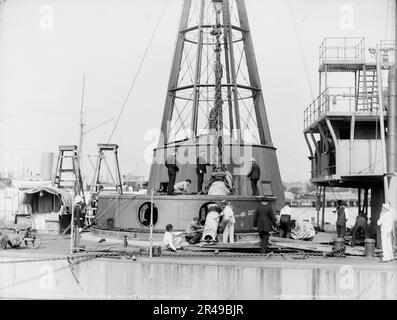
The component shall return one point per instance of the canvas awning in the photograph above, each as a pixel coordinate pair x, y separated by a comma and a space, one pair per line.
47, 199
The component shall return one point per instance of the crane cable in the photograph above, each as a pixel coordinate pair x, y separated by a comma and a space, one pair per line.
138, 71
299, 39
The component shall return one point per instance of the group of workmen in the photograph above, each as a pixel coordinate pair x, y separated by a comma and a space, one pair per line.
218, 218
183, 187
385, 222
221, 218
265, 221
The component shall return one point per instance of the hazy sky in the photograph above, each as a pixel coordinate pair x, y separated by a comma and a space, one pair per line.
41, 71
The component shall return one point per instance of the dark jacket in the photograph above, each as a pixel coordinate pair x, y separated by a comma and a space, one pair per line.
79, 216
171, 165
201, 165
264, 218
341, 216
255, 172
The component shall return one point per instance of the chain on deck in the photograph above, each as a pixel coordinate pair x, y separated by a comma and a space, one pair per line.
79, 258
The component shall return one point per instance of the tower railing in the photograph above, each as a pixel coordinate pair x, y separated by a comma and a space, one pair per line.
335, 99
316, 109
346, 48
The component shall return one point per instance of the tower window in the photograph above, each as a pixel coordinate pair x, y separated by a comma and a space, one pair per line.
267, 188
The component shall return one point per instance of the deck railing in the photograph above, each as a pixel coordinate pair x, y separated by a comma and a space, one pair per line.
317, 108
338, 99
346, 48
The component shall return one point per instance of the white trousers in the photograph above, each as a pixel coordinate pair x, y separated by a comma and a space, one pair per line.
176, 243
228, 233
387, 246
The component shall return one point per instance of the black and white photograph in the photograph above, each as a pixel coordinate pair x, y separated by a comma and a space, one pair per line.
198, 154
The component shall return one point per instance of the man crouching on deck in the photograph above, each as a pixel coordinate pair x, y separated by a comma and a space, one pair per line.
172, 240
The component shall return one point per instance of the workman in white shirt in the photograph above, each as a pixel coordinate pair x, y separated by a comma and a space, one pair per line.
183, 186
228, 221
172, 240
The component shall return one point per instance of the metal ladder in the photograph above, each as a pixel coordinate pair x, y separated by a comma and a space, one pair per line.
368, 95
75, 181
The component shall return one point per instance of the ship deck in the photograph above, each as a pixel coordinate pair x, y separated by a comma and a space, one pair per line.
57, 246
50, 273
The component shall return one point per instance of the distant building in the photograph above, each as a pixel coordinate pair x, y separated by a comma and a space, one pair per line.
296, 187
289, 196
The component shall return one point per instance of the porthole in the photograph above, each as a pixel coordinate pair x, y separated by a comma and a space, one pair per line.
144, 214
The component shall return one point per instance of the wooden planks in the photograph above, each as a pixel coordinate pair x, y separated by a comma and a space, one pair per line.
313, 247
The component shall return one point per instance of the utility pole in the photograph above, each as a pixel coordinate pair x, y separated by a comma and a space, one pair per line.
151, 225
382, 123
392, 131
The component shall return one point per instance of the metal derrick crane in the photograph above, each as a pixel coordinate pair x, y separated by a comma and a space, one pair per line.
214, 102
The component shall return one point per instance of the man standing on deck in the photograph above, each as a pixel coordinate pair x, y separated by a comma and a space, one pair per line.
254, 175
78, 213
201, 170
386, 221
340, 219
228, 221
172, 167
78, 217
264, 220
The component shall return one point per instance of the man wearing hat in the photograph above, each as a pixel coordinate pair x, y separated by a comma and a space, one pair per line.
340, 219
264, 222
254, 175
78, 212
78, 215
